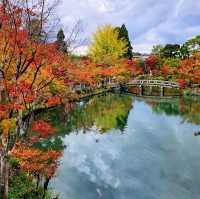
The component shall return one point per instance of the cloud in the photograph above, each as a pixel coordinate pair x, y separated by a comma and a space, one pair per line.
81, 50
149, 22
142, 48
178, 7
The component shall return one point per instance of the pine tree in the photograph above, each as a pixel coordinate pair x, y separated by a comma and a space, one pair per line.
62, 46
123, 34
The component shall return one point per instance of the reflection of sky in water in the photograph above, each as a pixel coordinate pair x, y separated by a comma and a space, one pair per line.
157, 157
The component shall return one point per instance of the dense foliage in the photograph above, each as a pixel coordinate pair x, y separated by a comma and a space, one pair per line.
36, 74
106, 47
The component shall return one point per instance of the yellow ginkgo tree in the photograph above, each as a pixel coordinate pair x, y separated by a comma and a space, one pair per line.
106, 47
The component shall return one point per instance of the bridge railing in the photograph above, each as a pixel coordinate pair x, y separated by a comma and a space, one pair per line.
113, 85
155, 82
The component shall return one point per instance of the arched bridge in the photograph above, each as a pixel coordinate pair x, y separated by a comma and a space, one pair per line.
135, 82
159, 83
150, 83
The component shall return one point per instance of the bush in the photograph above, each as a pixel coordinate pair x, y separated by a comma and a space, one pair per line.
22, 187
187, 93
172, 62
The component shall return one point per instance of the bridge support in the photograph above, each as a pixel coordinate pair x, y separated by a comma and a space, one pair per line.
150, 90
141, 90
162, 91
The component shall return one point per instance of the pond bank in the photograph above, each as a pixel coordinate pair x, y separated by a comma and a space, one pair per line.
185, 92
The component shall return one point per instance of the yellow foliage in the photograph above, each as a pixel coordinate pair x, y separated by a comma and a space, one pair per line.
106, 47
8, 125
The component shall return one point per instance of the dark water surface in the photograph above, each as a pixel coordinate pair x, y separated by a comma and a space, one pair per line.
122, 147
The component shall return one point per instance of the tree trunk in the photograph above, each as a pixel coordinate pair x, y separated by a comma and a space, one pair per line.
38, 181
7, 144
1, 178
4, 178
46, 183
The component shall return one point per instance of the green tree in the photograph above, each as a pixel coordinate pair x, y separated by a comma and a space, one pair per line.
123, 34
184, 51
171, 50
157, 49
172, 62
194, 43
62, 46
106, 47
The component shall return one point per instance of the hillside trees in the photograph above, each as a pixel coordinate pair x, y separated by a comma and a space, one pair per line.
184, 51
157, 50
194, 43
171, 50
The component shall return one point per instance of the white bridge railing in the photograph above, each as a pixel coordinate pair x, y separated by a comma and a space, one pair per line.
159, 83
155, 83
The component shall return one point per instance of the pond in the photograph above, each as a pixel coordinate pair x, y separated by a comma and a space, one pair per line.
123, 147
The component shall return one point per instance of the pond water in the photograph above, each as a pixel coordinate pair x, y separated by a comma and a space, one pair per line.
123, 147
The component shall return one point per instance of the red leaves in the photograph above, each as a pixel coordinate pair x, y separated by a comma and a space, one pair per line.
15, 106
34, 139
53, 101
3, 111
43, 128
34, 161
190, 69
132, 67
166, 70
22, 37
22, 91
151, 62
131, 63
5, 108
182, 82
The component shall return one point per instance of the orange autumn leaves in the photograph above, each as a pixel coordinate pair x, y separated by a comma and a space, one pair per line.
90, 73
187, 72
35, 161
42, 128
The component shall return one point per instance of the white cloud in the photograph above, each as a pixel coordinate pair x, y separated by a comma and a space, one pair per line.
81, 50
142, 48
178, 7
148, 21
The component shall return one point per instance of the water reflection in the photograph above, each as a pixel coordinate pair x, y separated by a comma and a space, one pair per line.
156, 156
111, 112
105, 113
188, 109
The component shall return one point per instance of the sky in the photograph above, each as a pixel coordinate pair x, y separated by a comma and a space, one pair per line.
149, 22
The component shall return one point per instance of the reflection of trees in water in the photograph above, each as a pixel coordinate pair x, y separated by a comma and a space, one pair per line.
111, 112
188, 109
104, 112
166, 107
121, 122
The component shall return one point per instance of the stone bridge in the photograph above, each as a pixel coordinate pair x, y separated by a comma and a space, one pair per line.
139, 83
151, 83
